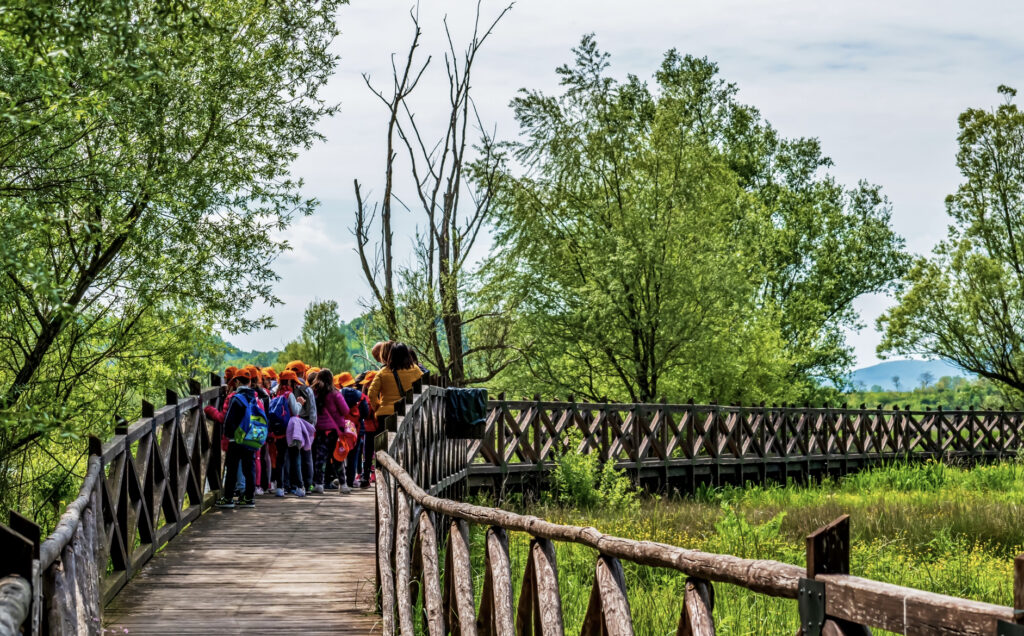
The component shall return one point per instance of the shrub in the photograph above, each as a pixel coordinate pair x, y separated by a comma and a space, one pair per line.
582, 481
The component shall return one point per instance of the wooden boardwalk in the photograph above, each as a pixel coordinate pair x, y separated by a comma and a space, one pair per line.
289, 566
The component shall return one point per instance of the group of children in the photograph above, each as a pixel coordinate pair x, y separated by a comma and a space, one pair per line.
306, 430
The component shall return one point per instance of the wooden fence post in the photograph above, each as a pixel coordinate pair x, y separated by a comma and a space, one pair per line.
608, 612
828, 552
698, 603
1018, 589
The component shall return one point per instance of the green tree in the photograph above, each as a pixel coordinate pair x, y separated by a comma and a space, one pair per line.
146, 148
965, 303
668, 241
322, 342
926, 379
294, 350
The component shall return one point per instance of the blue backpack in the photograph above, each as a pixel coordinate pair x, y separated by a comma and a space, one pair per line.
252, 431
280, 411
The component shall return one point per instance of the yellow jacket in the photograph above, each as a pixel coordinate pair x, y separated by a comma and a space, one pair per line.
384, 390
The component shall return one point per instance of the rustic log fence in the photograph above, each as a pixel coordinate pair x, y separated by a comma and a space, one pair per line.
141, 488
422, 472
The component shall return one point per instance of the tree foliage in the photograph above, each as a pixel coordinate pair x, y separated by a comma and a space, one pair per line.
145, 154
668, 241
965, 303
323, 337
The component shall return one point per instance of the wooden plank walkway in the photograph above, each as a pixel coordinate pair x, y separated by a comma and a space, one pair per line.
289, 566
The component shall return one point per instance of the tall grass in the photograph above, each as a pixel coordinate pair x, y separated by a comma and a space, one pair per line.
933, 527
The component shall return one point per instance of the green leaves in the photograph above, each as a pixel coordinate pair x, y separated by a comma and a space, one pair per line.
966, 302
144, 156
667, 241
323, 337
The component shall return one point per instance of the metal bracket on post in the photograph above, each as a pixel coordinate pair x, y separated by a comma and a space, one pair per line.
811, 601
1004, 628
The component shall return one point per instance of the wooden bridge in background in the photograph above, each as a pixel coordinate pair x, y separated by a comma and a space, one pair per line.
681, 445
142, 549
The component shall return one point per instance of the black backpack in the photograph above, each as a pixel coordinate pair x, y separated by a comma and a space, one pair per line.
465, 413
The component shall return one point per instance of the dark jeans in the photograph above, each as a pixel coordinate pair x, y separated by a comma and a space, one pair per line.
265, 469
368, 440
352, 462
238, 454
291, 469
306, 466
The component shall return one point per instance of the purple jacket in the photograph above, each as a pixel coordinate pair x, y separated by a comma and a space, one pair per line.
331, 414
299, 433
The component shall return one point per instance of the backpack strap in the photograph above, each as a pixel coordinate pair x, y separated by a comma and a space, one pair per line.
398, 381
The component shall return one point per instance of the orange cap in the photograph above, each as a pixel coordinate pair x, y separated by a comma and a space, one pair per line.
244, 373
230, 372
345, 379
268, 372
298, 366
370, 375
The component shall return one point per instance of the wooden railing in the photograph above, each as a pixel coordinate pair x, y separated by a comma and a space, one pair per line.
141, 488
687, 442
420, 475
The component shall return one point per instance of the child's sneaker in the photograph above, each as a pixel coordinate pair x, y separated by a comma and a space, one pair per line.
332, 486
365, 483
224, 502
345, 489
279, 492
356, 482
373, 478
318, 489
299, 492
260, 491
245, 502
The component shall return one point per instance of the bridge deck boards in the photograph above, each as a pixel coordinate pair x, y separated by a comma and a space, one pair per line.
289, 566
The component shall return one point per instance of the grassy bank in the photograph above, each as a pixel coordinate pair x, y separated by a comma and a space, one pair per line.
931, 527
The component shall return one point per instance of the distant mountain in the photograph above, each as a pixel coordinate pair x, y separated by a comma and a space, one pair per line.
908, 371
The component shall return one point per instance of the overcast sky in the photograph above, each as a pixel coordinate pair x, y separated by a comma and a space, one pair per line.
880, 83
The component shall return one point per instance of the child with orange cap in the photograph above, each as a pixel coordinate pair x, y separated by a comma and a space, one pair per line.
359, 410
289, 453
308, 413
239, 456
370, 428
262, 466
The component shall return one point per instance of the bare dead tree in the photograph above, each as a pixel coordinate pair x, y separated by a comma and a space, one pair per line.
381, 262
456, 181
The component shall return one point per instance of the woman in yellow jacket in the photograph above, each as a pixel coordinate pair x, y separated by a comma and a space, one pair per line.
384, 389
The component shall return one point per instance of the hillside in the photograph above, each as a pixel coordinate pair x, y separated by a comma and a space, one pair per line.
909, 373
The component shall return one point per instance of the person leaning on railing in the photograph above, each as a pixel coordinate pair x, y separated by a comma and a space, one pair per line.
393, 380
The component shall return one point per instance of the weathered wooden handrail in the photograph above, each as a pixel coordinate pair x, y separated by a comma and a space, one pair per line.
141, 488
765, 576
62, 535
413, 512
